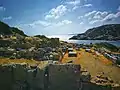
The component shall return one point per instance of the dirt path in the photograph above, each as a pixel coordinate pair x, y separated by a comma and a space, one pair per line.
95, 65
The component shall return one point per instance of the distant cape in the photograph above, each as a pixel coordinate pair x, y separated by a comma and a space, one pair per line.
104, 32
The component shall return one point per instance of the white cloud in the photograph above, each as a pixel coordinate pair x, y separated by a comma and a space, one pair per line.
94, 15
49, 16
117, 14
61, 23
81, 23
56, 12
61, 10
109, 17
90, 13
2, 8
82, 6
48, 24
94, 21
75, 7
105, 17
44, 23
112, 16
7, 18
39, 22
67, 21
59, 28
100, 15
87, 5
80, 17
64, 22
75, 2
97, 17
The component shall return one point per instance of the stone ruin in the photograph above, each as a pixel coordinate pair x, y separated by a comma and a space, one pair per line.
21, 77
64, 77
51, 77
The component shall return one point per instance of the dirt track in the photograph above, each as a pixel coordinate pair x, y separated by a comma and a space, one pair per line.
95, 65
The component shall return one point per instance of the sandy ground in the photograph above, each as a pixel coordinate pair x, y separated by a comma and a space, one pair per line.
95, 65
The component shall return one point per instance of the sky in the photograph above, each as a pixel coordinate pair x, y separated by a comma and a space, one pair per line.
53, 17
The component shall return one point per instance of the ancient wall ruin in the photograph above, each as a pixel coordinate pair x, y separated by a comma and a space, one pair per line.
64, 77
51, 77
21, 77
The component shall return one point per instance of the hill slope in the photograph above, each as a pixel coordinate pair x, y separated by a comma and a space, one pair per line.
7, 30
14, 44
105, 32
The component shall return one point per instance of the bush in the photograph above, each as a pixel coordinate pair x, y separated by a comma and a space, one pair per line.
12, 57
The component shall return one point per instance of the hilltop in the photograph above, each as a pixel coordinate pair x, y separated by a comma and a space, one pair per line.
104, 32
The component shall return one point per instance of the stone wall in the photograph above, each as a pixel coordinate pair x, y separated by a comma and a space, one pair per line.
64, 77
21, 77
50, 77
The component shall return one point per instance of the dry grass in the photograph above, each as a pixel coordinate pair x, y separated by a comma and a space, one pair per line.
40, 64
9, 61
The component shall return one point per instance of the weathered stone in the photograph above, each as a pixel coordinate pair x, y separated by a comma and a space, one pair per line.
64, 77
6, 79
50, 77
85, 76
21, 77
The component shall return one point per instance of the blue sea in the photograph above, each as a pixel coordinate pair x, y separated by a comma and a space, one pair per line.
66, 38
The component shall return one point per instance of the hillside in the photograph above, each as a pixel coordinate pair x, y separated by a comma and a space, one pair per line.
105, 32
7, 30
14, 44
